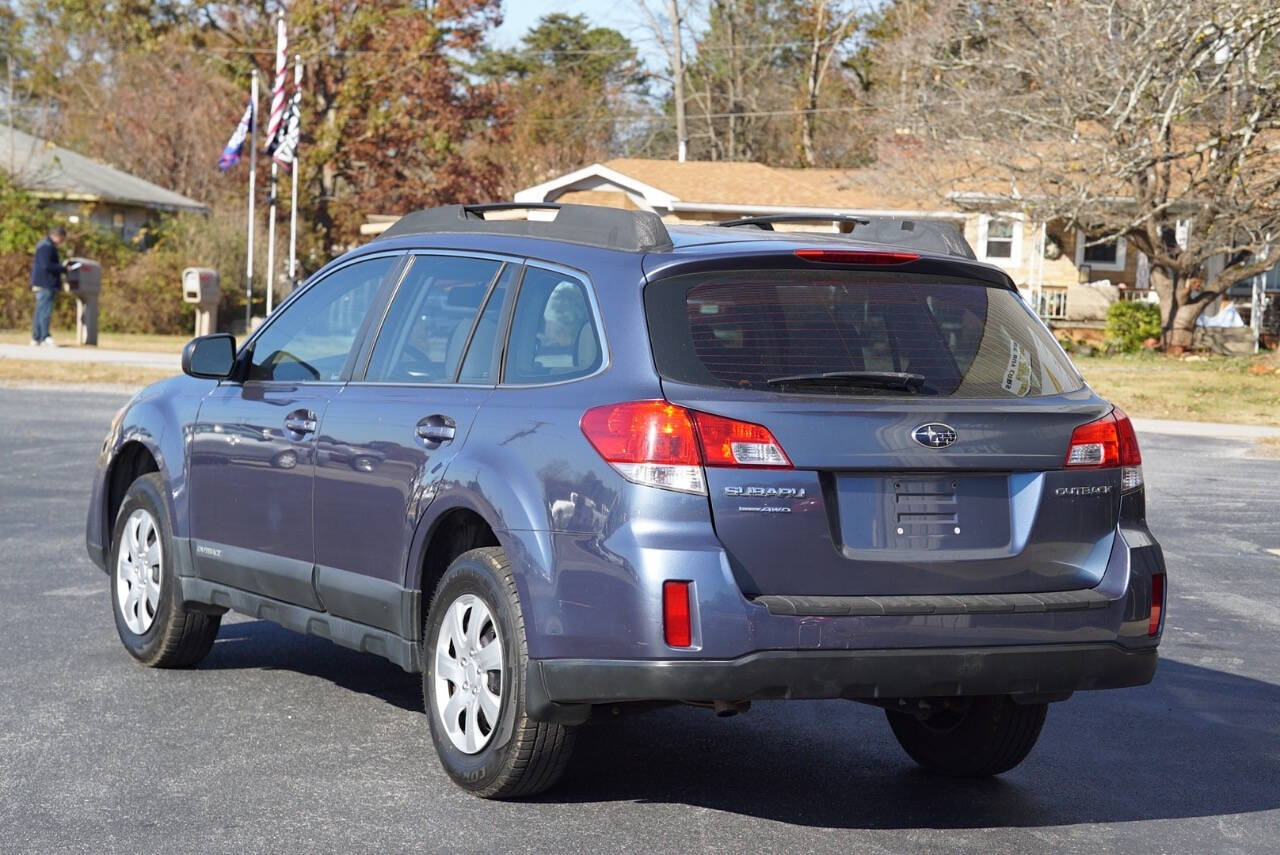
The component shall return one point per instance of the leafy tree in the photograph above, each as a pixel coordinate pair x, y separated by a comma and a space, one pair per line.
563, 89
391, 121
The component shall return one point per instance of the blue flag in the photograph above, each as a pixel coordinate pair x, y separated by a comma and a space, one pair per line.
231, 153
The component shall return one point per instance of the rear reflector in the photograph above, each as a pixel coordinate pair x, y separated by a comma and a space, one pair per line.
1157, 604
656, 443
1109, 441
727, 442
677, 625
852, 256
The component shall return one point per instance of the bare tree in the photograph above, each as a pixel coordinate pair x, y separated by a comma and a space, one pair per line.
1146, 120
828, 24
667, 31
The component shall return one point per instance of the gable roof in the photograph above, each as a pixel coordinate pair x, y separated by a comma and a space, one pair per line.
742, 187
49, 171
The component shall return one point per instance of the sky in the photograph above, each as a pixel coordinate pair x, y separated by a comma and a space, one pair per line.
622, 15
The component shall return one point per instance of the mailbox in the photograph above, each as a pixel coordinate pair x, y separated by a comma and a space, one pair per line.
202, 287
84, 280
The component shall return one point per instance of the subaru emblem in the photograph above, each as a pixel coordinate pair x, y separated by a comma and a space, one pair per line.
934, 435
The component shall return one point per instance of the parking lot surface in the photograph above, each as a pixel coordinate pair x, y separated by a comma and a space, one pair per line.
281, 742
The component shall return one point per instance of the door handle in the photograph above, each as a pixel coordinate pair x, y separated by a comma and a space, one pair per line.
439, 429
301, 422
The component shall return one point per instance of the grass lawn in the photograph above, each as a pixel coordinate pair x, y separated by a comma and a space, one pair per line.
148, 342
1240, 390
1234, 389
24, 371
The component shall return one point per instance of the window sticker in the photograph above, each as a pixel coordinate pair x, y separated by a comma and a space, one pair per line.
1017, 376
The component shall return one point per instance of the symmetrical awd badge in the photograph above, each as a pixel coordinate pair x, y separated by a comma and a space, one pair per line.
934, 435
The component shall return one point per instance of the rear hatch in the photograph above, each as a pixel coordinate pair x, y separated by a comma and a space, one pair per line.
924, 422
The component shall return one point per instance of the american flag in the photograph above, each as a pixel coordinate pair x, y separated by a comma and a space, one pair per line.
277, 91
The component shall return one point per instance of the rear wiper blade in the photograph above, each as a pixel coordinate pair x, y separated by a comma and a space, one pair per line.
901, 380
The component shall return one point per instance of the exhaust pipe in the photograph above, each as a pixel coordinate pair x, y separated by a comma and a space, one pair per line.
725, 709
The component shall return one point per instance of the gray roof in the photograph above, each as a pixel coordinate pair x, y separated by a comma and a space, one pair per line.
51, 171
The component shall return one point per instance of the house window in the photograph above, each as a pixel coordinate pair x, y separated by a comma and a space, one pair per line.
999, 238
1102, 256
117, 223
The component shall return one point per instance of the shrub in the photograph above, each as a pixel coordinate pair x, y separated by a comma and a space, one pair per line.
1130, 324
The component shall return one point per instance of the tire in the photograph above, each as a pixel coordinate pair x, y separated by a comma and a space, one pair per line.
986, 736
163, 633
513, 756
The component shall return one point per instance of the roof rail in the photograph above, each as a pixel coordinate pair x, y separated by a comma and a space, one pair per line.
589, 225
944, 238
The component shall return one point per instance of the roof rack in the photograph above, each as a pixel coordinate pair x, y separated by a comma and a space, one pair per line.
927, 235
589, 225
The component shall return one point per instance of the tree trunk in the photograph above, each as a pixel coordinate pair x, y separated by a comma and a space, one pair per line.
1183, 328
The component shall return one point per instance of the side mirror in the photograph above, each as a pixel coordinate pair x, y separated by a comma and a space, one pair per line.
211, 357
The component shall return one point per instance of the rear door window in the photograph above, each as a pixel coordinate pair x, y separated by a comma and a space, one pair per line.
553, 331
873, 333
430, 319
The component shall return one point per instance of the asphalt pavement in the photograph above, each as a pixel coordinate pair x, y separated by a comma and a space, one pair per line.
284, 743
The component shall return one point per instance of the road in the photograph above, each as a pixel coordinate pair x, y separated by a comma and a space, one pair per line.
280, 742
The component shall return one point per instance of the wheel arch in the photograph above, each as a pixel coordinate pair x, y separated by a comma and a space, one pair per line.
133, 459
459, 521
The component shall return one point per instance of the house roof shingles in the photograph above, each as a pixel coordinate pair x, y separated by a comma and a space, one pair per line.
51, 171
750, 183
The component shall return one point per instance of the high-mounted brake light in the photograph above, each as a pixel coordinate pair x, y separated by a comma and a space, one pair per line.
855, 256
1110, 441
663, 445
1157, 604
677, 620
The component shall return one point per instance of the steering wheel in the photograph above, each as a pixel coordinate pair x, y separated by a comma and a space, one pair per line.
417, 362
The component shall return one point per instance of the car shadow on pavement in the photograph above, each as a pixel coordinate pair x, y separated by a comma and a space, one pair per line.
1197, 742
264, 645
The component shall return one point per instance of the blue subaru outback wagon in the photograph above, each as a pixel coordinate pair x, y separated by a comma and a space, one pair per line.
579, 459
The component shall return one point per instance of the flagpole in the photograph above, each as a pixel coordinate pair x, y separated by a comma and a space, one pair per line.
293, 203
253, 172
277, 107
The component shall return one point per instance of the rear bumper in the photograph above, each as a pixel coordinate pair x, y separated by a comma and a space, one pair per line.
853, 674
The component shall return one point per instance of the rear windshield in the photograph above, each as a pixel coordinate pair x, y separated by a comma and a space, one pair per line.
853, 333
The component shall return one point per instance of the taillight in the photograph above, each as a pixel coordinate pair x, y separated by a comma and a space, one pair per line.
648, 442
855, 256
677, 623
1157, 604
728, 442
1110, 441
656, 443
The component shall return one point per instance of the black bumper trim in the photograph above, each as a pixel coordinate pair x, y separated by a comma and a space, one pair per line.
958, 604
928, 672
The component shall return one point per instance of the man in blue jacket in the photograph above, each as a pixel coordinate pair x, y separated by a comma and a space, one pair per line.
46, 279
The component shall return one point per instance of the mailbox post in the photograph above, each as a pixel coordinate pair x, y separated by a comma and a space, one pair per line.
201, 286
84, 280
